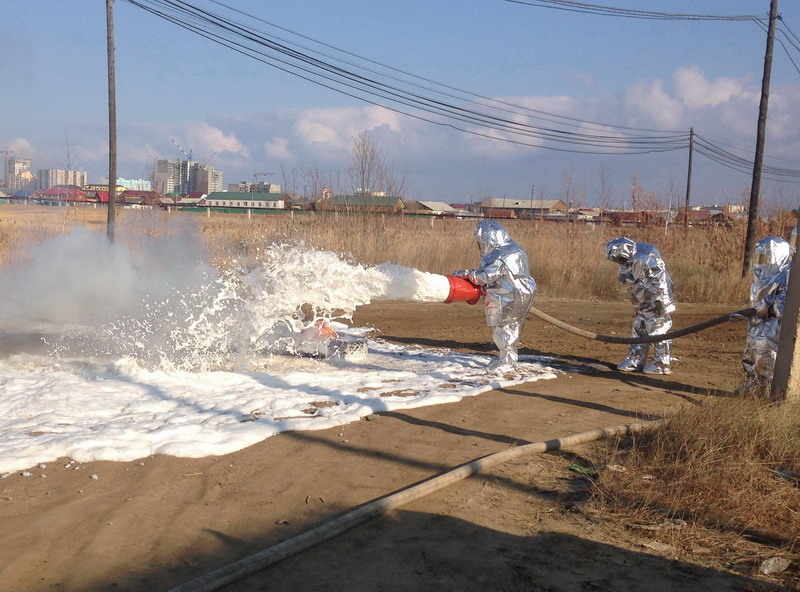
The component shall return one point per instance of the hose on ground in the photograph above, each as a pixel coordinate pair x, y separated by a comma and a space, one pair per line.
249, 565
744, 313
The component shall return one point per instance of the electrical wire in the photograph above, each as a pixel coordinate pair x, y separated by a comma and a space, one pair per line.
461, 110
598, 9
564, 120
509, 123
716, 153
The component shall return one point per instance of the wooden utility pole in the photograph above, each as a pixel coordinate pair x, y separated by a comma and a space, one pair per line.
755, 185
112, 124
786, 374
688, 181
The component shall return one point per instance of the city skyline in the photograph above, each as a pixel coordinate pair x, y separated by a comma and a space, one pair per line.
178, 92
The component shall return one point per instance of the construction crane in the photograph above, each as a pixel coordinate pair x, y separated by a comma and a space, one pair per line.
209, 159
256, 175
188, 156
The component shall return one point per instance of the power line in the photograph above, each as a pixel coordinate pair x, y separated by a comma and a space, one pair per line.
516, 108
455, 108
598, 9
515, 124
713, 151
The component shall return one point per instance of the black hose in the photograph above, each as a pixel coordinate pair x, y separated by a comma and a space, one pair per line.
747, 312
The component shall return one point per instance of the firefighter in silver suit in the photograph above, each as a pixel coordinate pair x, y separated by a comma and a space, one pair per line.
642, 266
508, 288
772, 259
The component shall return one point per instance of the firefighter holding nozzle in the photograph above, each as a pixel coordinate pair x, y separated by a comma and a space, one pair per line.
504, 276
642, 267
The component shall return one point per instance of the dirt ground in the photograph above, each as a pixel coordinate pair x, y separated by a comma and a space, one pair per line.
160, 522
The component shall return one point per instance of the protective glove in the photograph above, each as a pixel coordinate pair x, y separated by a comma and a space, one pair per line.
762, 309
625, 276
659, 307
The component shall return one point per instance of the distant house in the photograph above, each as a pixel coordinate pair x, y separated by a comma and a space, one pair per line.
25, 194
64, 193
630, 218
246, 200
499, 213
296, 203
588, 215
191, 200
138, 197
496, 207
706, 217
364, 204
431, 208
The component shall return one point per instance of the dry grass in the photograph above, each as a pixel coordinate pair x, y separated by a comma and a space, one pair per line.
727, 466
566, 260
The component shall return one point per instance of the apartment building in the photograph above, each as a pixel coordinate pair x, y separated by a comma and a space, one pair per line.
186, 176
18, 174
47, 178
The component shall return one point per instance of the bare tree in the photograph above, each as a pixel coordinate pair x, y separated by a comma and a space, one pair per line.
636, 191
371, 171
289, 180
603, 187
583, 192
670, 197
313, 182
568, 178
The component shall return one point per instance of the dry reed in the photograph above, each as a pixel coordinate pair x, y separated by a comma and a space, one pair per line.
566, 259
730, 465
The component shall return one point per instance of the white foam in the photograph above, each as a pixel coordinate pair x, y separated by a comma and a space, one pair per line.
185, 371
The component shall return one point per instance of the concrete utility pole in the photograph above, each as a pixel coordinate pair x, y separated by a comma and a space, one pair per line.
112, 124
755, 185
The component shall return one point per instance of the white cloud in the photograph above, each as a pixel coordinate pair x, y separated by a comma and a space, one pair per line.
336, 127
487, 144
205, 139
695, 91
313, 129
20, 146
647, 103
278, 148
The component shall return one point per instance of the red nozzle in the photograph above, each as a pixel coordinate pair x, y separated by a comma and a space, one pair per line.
461, 289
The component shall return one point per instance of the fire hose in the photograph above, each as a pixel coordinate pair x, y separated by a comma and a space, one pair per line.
461, 289
744, 313
327, 530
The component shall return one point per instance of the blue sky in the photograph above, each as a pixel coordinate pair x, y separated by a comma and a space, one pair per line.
244, 116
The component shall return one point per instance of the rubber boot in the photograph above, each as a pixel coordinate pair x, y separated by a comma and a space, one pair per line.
657, 367
630, 364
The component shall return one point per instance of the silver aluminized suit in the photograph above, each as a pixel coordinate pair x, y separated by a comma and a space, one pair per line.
504, 275
643, 267
771, 263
